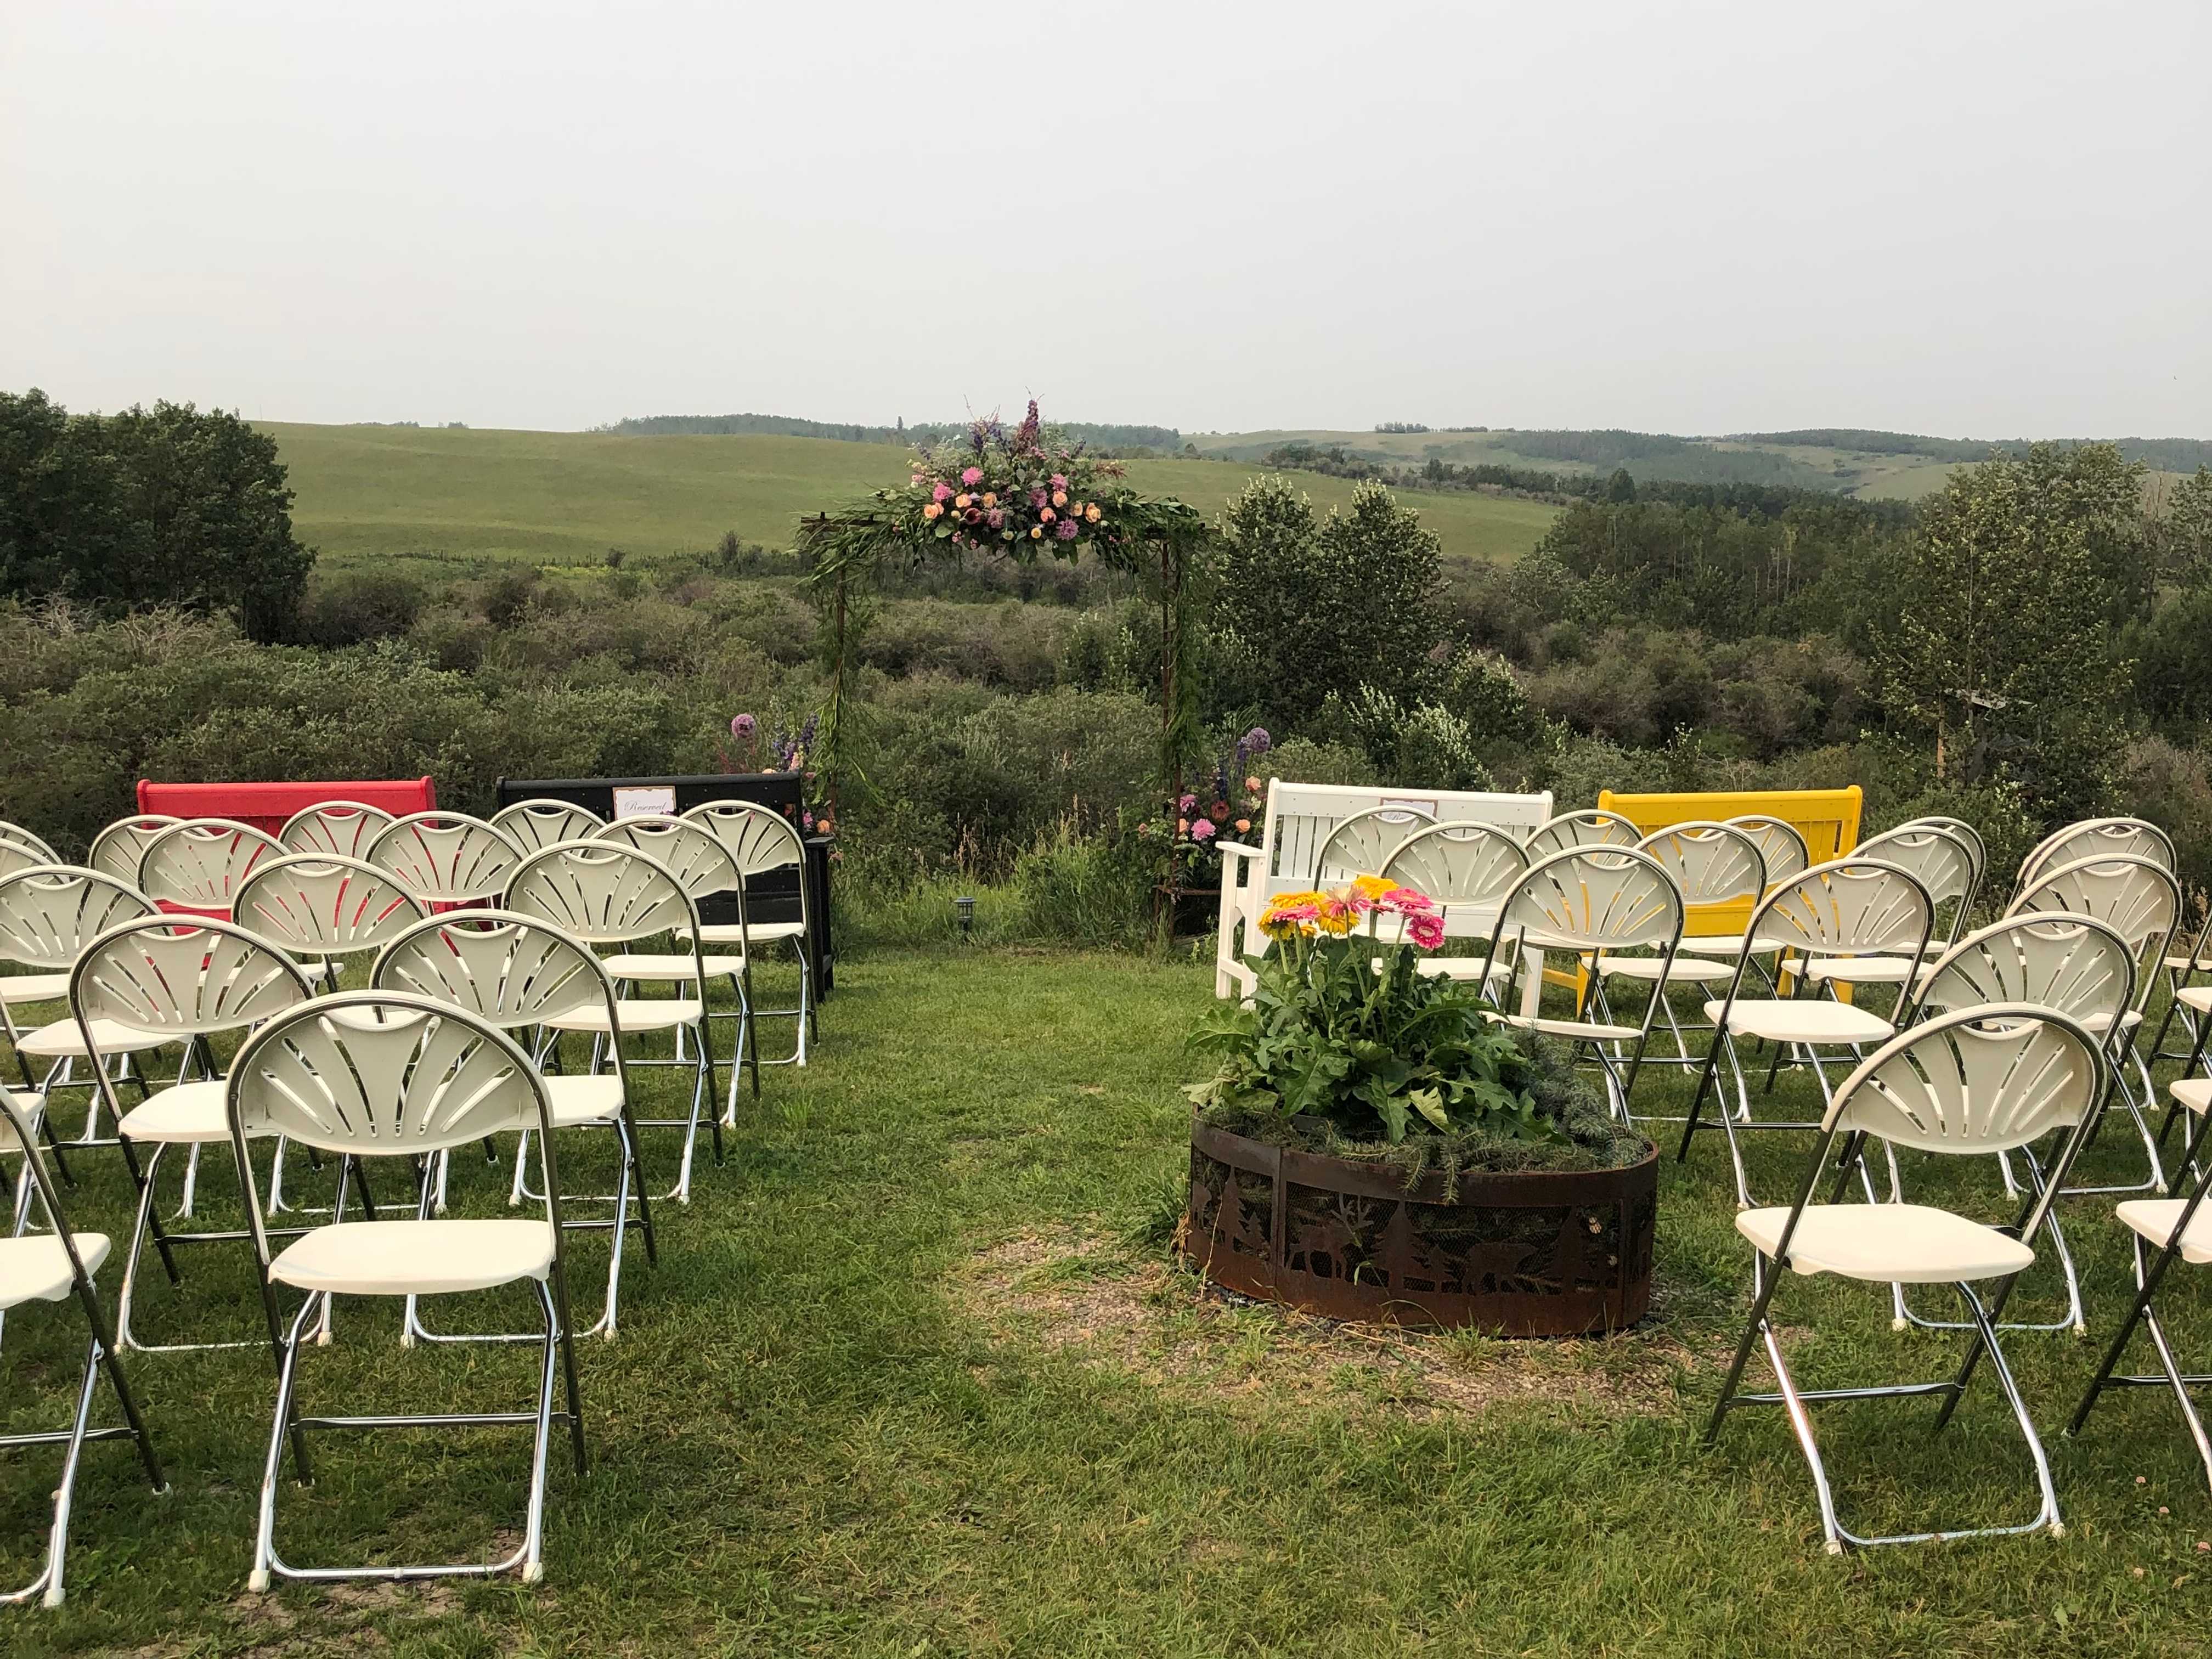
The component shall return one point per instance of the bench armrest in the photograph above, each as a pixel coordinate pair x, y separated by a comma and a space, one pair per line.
1238, 847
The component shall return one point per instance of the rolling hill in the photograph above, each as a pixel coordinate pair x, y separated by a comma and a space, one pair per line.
566, 497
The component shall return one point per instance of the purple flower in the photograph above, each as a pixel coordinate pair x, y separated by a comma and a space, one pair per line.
997, 516
742, 728
1257, 741
1065, 529
1203, 830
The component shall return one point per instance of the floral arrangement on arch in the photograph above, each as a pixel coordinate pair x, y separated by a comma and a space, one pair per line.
1183, 837
782, 750
1020, 491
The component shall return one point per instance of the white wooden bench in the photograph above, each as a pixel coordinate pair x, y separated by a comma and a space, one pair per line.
1300, 817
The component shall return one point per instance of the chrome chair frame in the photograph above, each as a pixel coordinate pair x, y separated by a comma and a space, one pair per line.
761, 841
1930, 1105
366, 1073
1467, 868
1813, 913
511, 970
49, 1586
602, 893
1710, 863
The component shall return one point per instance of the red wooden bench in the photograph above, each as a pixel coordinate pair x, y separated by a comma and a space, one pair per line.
267, 805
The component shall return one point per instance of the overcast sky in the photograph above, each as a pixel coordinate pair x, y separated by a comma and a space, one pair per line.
1971, 219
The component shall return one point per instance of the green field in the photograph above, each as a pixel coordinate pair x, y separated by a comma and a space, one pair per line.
566, 497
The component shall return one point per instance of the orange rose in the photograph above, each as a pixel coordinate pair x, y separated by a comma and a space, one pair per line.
1035, 531
990, 499
1252, 785
960, 501
1244, 826
1060, 498
1091, 513
1045, 515
934, 510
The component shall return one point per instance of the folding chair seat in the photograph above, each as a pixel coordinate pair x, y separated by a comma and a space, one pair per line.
518, 974
1978, 1080
1847, 907
611, 896
177, 979
382, 1073
54, 1267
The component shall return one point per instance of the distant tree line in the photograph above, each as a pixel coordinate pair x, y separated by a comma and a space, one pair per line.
167, 506
2165, 454
1097, 434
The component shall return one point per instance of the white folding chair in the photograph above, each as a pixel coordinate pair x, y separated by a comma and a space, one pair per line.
532, 825
1782, 850
762, 842
2140, 900
21, 837
1942, 864
1591, 901
48, 914
1847, 907
2179, 1230
2096, 839
176, 979
515, 972
343, 828
1360, 842
197, 864
1709, 863
1971, 838
2075, 964
1976, 1081
445, 858
55, 1265
610, 896
1591, 826
381, 1074
703, 866
1468, 869
120, 848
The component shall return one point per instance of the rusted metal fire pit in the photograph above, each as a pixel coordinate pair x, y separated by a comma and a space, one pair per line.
1534, 1252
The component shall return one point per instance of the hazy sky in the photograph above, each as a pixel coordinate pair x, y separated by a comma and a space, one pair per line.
1973, 219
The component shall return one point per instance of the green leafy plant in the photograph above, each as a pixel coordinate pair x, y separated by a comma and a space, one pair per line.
1345, 1028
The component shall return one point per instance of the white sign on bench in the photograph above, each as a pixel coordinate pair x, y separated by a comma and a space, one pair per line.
1288, 859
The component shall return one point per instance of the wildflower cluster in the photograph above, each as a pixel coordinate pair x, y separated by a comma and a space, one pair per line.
1015, 491
785, 750
1182, 837
1339, 910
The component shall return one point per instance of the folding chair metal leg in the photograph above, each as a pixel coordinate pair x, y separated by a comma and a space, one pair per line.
2075, 1318
268, 1565
2156, 1181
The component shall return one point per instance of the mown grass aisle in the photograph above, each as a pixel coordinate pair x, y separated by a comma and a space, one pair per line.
914, 1377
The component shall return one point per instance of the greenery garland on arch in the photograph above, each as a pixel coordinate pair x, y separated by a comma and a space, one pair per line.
1022, 493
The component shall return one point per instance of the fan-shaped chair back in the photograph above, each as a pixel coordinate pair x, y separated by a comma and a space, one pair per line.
505, 968
530, 824
199, 863
19, 836
320, 904
691, 852
1457, 864
445, 858
120, 848
2137, 897
22, 855
2075, 964
1711, 863
1592, 826
1977, 849
50, 912
1781, 845
1360, 842
1593, 899
2097, 838
1847, 907
183, 975
381, 1072
602, 893
1983, 1079
345, 827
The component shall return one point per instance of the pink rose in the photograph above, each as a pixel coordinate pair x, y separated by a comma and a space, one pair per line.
1190, 803
942, 493
1058, 482
974, 475
1203, 830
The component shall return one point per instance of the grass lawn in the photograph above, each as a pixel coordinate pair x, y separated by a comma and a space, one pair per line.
916, 1377
566, 497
